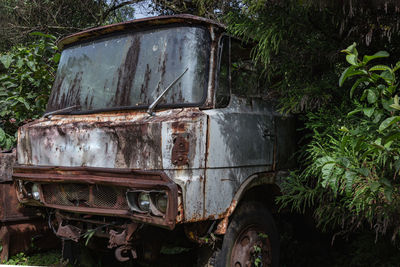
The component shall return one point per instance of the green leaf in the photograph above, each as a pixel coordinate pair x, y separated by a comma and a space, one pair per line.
378, 114
6, 60
350, 71
388, 103
363, 171
368, 111
387, 76
327, 171
43, 35
351, 49
31, 65
389, 121
56, 57
23, 101
371, 97
392, 137
350, 176
357, 110
379, 54
395, 106
374, 186
356, 84
380, 67
352, 59
2, 134
388, 144
396, 67
388, 193
397, 165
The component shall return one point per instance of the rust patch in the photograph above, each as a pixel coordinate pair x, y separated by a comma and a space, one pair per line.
7, 161
118, 239
126, 74
223, 225
180, 149
128, 178
69, 232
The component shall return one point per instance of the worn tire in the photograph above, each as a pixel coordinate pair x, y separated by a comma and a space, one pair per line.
70, 251
77, 254
248, 216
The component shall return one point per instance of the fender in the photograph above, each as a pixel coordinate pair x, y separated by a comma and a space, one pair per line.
265, 178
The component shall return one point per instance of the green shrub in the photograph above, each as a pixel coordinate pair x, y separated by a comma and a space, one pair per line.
353, 161
26, 76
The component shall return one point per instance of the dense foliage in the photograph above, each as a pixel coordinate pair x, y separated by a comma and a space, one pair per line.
350, 157
353, 159
30, 58
351, 147
18, 18
26, 76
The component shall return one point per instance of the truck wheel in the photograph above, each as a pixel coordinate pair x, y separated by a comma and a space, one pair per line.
77, 254
70, 251
251, 238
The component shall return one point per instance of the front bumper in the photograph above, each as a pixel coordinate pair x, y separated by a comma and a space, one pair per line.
96, 191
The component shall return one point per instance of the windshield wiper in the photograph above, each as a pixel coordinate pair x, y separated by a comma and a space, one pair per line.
59, 111
158, 99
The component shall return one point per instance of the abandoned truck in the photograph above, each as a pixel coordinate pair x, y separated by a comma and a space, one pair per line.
155, 131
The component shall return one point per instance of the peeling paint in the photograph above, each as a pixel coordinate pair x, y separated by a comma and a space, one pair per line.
202, 158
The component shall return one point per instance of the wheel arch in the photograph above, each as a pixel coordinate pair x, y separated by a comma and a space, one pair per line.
259, 187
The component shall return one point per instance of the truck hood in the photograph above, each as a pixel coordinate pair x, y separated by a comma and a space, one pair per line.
114, 140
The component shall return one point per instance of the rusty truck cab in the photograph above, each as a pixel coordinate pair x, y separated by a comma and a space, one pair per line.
155, 123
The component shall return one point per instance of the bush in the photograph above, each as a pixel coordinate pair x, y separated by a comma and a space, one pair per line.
26, 76
352, 165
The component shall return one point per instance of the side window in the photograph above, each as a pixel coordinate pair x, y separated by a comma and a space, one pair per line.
245, 76
222, 94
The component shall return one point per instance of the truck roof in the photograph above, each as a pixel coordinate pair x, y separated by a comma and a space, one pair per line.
136, 24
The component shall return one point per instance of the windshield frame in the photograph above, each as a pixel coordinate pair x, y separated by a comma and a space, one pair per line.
144, 107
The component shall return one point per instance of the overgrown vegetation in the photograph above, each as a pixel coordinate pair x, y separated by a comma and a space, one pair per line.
50, 258
18, 18
350, 159
352, 165
26, 75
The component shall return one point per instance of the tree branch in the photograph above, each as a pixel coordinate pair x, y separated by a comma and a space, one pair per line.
120, 5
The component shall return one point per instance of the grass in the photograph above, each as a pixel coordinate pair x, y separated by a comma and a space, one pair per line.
50, 258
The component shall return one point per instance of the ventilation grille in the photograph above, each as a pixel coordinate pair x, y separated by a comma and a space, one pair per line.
81, 195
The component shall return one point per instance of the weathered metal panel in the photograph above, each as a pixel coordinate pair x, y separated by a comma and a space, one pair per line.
240, 135
192, 184
137, 24
195, 128
124, 140
85, 176
241, 143
10, 208
221, 186
7, 161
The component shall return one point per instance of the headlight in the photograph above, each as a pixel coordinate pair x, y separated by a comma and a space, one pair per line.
153, 202
35, 192
161, 202
144, 201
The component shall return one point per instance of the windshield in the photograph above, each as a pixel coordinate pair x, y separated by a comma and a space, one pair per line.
132, 70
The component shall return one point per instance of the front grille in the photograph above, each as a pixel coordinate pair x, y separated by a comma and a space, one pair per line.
82, 195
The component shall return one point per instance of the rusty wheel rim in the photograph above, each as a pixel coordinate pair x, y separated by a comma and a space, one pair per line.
252, 247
